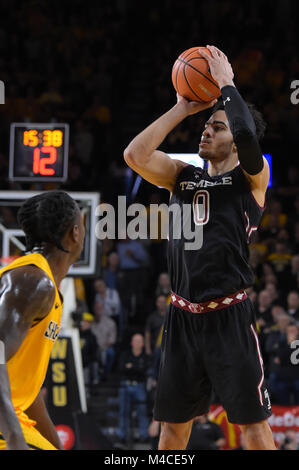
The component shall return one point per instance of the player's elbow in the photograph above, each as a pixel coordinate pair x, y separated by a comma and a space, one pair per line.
128, 157
133, 158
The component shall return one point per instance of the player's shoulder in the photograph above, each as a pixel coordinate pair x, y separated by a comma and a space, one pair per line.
29, 286
31, 276
189, 170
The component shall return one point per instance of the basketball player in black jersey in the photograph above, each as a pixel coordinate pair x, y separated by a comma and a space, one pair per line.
209, 340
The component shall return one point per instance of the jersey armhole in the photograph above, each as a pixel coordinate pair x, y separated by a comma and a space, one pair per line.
182, 169
262, 208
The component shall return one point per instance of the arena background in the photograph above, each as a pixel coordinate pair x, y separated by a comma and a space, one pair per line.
105, 70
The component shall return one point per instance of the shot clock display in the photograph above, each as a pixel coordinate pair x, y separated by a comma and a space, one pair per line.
38, 152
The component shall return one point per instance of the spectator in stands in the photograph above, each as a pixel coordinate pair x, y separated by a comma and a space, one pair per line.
284, 375
276, 334
252, 294
205, 435
272, 288
105, 331
163, 286
264, 271
280, 260
89, 351
134, 366
154, 325
109, 298
274, 218
133, 259
276, 311
257, 244
153, 337
293, 304
111, 272
291, 188
264, 303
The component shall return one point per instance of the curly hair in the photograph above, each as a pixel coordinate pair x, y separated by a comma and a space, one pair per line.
45, 218
257, 116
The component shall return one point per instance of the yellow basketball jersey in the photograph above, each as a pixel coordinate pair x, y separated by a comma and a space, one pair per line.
28, 366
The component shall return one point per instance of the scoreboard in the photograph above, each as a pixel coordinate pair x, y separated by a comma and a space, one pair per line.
38, 152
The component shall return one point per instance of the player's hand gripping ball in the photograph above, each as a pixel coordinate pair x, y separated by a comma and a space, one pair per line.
191, 76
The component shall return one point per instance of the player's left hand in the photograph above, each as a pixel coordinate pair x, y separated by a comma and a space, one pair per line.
221, 69
193, 107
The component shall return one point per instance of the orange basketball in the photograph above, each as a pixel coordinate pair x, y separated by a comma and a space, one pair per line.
191, 76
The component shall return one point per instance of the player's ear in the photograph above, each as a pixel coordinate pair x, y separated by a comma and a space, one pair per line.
73, 234
234, 148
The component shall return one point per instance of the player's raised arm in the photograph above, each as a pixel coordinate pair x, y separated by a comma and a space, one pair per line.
142, 154
27, 294
242, 126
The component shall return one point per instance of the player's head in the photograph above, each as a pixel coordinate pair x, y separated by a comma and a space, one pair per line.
53, 219
217, 143
137, 341
161, 303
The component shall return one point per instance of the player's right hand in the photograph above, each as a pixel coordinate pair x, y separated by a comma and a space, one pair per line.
193, 107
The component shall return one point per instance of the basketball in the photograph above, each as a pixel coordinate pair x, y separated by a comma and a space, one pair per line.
191, 76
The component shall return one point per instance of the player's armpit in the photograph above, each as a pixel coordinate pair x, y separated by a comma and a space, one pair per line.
158, 169
259, 182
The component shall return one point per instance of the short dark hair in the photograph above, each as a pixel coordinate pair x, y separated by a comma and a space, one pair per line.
45, 218
257, 116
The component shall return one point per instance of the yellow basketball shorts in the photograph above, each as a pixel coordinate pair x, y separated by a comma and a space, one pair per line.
33, 438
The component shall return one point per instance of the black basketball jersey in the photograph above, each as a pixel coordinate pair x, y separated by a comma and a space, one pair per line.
224, 211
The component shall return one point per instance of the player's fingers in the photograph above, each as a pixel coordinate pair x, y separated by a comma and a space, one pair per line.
216, 51
205, 55
221, 53
213, 51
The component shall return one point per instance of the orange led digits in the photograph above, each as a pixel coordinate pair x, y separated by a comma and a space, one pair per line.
57, 138
52, 138
39, 164
47, 138
30, 138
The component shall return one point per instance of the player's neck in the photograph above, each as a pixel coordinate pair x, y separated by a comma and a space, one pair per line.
58, 261
223, 166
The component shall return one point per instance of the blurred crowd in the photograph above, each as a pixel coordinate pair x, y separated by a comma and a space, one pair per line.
105, 68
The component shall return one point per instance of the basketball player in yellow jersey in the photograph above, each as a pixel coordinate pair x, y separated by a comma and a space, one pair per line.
30, 311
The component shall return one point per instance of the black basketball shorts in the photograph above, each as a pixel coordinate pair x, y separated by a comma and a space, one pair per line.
211, 351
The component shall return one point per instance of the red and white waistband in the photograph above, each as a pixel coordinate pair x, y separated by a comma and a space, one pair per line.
210, 305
